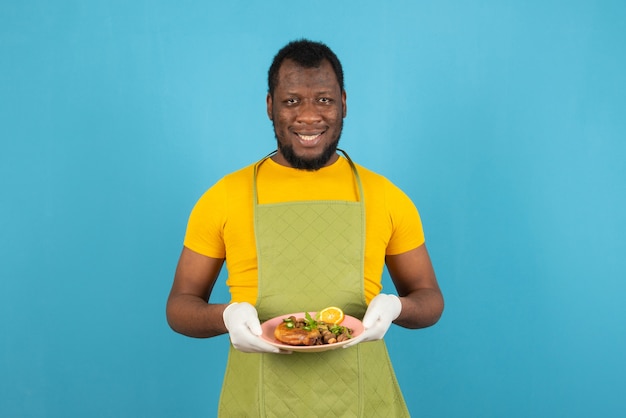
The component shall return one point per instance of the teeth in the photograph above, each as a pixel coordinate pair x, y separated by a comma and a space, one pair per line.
308, 137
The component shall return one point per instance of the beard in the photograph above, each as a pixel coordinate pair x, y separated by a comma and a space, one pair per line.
309, 164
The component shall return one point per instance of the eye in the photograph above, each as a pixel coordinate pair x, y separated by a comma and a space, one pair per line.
291, 101
325, 100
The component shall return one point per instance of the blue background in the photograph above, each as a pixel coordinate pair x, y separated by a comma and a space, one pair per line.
503, 120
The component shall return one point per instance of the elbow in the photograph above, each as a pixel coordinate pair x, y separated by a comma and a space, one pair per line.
170, 315
438, 310
424, 312
435, 311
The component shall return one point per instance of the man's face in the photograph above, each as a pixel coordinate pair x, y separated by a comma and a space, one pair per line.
307, 110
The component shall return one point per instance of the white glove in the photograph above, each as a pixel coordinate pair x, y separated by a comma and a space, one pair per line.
381, 312
244, 328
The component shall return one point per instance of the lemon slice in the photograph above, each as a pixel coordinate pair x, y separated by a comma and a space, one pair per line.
331, 315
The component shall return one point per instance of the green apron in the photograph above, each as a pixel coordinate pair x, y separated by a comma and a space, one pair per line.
310, 256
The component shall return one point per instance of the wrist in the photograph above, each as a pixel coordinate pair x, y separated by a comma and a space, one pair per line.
396, 306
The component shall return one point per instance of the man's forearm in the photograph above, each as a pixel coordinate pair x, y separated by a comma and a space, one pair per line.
192, 316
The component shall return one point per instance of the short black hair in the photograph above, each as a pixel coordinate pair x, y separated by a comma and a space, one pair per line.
308, 54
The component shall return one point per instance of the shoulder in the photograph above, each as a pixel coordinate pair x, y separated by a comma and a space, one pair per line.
382, 194
235, 181
378, 183
226, 188
242, 175
370, 175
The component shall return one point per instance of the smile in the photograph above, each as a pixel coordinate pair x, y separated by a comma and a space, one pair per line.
308, 138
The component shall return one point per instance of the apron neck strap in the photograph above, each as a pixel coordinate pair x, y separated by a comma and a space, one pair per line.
345, 154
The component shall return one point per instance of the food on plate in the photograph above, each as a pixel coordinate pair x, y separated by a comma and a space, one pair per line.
287, 333
308, 331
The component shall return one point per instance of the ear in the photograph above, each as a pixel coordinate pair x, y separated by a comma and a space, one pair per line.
343, 103
270, 106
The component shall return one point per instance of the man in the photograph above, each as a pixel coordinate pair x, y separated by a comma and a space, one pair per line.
301, 230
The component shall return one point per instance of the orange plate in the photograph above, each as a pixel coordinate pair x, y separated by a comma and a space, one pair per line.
270, 325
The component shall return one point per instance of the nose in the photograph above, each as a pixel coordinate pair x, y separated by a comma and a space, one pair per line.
308, 113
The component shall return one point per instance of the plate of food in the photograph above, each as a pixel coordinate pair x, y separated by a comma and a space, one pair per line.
325, 330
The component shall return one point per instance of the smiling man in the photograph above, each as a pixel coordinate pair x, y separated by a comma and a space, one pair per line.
301, 230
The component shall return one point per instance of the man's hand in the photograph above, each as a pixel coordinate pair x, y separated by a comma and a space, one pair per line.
381, 312
244, 328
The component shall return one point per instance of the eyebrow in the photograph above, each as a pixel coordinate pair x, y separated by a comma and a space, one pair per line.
320, 92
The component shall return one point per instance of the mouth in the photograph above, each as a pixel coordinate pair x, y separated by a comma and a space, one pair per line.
309, 138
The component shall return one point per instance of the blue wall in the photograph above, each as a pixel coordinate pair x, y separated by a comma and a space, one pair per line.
503, 120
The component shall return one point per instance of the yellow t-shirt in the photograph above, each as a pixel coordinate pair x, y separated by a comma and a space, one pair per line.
221, 223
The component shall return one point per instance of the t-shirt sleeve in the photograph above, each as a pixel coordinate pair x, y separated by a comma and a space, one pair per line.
205, 226
407, 231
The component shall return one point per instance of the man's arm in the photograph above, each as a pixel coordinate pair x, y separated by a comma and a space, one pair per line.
188, 311
413, 275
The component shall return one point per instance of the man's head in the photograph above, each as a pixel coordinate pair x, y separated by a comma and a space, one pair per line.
306, 102
307, 54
